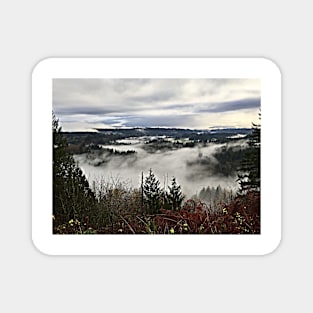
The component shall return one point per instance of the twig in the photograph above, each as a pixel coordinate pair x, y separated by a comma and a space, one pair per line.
127, 224
170, 219
142, 220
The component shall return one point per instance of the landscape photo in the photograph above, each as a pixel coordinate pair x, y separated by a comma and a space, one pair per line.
156, 156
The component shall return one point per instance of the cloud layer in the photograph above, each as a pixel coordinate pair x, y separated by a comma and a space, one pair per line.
85, 104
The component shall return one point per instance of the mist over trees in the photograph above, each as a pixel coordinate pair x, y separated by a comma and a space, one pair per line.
112, 206
215, 196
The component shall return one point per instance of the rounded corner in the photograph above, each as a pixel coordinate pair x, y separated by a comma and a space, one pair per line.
273, 248
40, 64
39, 249
272, 65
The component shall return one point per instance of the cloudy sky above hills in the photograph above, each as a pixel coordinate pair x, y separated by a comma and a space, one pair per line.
86, 104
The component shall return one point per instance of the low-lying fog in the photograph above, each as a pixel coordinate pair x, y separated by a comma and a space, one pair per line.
183, 163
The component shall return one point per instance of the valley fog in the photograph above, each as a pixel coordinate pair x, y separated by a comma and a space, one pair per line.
126, 159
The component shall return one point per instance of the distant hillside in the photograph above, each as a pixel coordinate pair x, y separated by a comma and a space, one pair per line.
107, 135
171, 132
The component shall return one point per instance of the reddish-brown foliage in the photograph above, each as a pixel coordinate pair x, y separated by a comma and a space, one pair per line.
241, 216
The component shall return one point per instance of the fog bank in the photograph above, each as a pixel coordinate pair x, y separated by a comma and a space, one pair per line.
188, 164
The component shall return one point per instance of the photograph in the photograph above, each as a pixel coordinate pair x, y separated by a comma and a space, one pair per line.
156, 156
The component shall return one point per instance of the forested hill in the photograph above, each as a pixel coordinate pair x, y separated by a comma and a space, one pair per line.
107, 135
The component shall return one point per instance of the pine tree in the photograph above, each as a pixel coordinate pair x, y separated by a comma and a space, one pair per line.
152, 193
202, 194
71, 193
208, 193
175, 196
218, 193
249, 172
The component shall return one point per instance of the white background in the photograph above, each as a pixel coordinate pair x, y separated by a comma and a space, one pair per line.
33, 30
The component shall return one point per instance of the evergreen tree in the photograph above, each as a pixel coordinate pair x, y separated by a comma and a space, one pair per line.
208, 194
152, 193
202, 194
213, 194
218, 193
249, 172
175, 196
71, 192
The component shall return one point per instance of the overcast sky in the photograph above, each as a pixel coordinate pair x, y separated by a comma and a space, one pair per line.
86, 104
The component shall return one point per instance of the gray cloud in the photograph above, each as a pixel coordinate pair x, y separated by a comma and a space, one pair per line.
234, 105
154, 102
160, 121
85, 110
161, 96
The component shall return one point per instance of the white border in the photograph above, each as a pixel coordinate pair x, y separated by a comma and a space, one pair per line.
260, 68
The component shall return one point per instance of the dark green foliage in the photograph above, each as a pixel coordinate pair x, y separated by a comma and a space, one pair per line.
72, 197
249, 172
229, 159
106, 136
152, 193
175, 196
